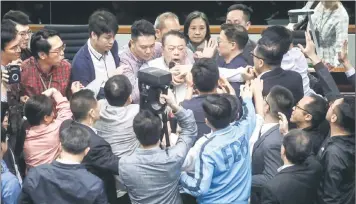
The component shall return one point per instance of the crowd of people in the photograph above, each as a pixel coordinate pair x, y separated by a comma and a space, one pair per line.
250, 129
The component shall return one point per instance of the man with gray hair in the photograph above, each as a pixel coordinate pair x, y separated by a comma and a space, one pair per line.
165, 22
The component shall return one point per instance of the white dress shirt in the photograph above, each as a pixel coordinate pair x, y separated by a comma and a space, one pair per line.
103, 64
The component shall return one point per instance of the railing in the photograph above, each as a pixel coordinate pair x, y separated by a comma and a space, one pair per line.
214, 29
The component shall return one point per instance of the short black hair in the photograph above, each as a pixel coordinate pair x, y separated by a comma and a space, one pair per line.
142, 28
270, 51
101, 22
117, 90
174, 33
280, 99
39, 41
37, 107
242, 7
74, 137
18, 17
236, 33
318, 108
345, 113
217, 110
81, 103
236, 106
8, 33
193, 15
205, 73
147, 127
280, 35
298, 146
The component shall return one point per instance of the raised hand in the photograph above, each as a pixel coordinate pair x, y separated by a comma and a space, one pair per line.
283, 123
209, 48
76, 86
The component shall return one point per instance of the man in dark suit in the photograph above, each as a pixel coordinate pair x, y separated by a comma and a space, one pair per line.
100, 159
267, 58
298, 179
266, 157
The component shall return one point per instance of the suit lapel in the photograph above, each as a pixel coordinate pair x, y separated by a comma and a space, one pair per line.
263, 137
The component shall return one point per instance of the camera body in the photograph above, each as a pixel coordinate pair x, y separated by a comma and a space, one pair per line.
152, 82
14, 72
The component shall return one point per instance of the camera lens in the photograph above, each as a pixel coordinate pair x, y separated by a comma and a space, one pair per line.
15, 77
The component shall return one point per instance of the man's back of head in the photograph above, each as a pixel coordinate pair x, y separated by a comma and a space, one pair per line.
74, 139
118, 90
217, 111
297, 147
279, 99
148, 128
267, 54
84, 105
39, 109
280, 35
205, 75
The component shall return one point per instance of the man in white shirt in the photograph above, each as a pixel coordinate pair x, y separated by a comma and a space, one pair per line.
174, 53
99, 57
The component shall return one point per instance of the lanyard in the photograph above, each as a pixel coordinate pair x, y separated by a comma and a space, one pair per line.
44, 85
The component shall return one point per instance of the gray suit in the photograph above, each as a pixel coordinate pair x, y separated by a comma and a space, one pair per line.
152, 175
266, 159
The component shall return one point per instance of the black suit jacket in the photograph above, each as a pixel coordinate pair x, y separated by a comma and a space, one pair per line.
352, 80
266, 159
102, 162
286, 78
297, 184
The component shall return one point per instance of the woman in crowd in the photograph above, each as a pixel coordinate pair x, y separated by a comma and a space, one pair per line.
197, 30
331, 22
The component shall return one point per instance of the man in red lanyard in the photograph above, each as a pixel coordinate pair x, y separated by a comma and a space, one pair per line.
47, 68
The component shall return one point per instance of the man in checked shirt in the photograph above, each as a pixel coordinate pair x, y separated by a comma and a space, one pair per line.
47, 68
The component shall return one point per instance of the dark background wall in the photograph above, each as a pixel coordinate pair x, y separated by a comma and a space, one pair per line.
77, 12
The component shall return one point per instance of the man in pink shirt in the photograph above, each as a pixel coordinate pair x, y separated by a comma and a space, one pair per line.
42, 143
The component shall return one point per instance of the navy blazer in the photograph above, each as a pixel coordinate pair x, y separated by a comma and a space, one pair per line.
83, 67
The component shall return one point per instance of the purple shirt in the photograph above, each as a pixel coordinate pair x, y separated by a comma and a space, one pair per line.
128, 58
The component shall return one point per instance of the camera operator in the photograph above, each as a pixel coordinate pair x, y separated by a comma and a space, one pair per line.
10, 55
151, 174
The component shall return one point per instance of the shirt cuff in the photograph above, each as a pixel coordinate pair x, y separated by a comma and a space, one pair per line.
350, 72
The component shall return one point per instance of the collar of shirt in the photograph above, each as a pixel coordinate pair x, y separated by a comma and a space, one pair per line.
266, 127
95, 53
284, 166
64, 161
150, 151
259, 77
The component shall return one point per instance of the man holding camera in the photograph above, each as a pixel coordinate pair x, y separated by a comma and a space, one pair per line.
151, 174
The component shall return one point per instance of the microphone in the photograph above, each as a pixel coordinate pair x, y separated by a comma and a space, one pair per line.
171, 65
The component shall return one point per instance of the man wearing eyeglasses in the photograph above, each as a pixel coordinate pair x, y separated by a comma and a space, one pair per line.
232, 41
47, 68
23, 30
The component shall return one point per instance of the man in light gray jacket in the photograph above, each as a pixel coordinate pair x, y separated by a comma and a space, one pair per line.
151, 174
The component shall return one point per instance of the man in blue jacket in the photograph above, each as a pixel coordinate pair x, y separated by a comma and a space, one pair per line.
99, 57
223, 168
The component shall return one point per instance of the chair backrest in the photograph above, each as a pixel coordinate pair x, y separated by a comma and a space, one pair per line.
74, 36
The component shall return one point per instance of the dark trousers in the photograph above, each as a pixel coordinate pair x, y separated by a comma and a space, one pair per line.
188, 199
124, 199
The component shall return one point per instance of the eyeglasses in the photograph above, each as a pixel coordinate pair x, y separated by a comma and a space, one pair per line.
251, 53
296, 106
24, 33
60, 49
